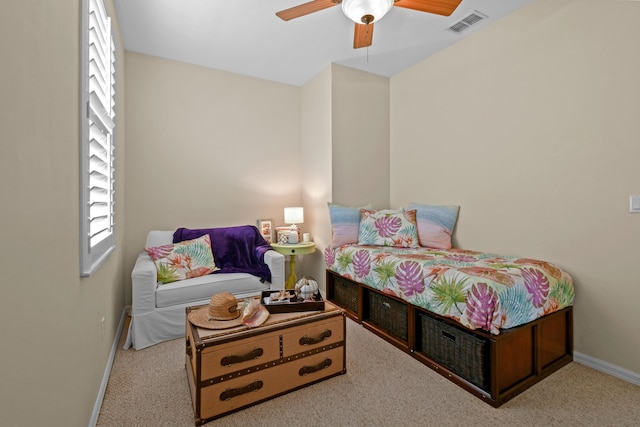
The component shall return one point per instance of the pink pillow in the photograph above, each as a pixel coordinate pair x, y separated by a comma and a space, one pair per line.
345, 222
435, 224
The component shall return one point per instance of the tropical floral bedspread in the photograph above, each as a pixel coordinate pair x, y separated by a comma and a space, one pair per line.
479, 290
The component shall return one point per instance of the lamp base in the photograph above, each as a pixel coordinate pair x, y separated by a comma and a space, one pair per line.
294, 234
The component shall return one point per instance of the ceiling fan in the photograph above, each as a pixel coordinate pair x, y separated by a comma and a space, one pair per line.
365, 12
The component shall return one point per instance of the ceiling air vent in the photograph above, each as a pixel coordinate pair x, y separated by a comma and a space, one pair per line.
468, 21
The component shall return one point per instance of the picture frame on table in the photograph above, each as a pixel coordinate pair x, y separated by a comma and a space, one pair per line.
265, 226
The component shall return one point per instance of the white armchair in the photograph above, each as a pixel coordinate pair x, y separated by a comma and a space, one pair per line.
158, 312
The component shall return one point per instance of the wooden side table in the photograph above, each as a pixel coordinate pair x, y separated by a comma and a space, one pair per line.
293, 249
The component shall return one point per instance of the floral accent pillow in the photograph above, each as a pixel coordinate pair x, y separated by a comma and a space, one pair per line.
184, 260
435, 224
345, 222
384, 228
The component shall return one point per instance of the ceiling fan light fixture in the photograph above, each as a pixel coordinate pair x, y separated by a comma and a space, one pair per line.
366, 11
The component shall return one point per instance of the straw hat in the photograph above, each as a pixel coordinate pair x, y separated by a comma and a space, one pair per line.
221, 313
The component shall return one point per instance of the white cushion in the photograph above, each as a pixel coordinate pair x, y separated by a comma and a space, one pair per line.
204, 287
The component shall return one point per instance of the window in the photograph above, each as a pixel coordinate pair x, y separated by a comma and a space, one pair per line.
97, 239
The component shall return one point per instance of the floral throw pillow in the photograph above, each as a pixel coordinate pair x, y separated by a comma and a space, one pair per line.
184, 260
384, 228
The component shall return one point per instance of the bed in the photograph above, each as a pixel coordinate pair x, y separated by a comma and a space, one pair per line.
493, 324
477, 289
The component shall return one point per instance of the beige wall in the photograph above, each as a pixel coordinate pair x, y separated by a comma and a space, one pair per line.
316, 127
531, 126
345, 146
207, 148
360, 156
54, 348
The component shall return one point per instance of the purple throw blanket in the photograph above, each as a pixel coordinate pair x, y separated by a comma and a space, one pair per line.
235, 249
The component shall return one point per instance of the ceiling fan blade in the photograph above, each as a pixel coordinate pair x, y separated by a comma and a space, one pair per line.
362, 35
439, 7
305, 9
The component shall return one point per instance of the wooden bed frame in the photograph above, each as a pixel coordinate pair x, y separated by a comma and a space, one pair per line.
494, 368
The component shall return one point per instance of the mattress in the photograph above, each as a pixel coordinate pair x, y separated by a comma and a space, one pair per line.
479, 290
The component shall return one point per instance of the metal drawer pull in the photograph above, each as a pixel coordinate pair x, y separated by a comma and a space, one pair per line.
386, 304
305, 340
230, 360
235, 392
311, 369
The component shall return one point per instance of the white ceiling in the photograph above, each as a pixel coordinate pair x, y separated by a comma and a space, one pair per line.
246, 37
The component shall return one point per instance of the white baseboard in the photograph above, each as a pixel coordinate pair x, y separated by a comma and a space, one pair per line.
607, 368
105, 377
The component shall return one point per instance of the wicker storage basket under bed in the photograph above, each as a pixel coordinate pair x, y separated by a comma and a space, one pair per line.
457, 350
388, 314
345, 293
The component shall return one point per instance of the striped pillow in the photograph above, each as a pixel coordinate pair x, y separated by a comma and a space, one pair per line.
435, 224
345, 223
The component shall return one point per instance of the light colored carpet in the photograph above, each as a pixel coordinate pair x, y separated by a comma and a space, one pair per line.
382, 387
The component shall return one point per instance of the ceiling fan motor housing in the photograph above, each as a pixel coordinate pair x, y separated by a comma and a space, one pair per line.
366, 11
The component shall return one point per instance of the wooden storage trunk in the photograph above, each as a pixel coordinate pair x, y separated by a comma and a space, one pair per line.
494, 368
232, 369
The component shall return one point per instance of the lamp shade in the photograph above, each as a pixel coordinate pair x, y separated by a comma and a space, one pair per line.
366, 11
293, 215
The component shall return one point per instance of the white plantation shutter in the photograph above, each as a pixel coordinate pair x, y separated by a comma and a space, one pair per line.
97, 152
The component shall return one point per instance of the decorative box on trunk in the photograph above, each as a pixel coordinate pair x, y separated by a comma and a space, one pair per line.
235, 368
292, 304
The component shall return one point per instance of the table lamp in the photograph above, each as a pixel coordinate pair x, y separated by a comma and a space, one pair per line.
294, 216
